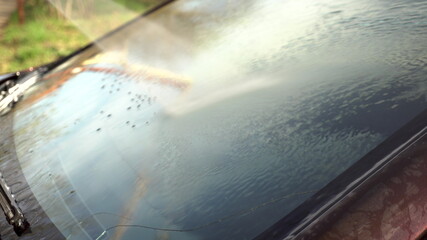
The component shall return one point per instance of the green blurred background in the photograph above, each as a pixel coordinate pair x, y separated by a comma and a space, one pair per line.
46, 34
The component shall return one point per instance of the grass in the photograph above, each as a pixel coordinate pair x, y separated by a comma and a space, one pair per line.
44, 37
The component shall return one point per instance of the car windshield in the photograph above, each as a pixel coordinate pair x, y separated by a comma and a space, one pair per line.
215, 119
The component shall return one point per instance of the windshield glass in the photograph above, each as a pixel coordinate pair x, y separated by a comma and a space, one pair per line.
214, 119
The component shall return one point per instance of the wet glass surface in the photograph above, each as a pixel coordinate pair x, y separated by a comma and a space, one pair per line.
213, 120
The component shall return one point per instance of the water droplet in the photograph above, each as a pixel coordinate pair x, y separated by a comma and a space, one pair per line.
139, 105
118, 89
147, 122
109, 115
127, 122
102, 112
133, 126
99, 129
129, 108
111, 92
103, 86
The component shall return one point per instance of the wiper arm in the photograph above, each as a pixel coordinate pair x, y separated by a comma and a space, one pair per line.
11, 210
12, 90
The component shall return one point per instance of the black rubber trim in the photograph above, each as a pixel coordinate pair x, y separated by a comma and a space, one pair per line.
297, 219
7, 76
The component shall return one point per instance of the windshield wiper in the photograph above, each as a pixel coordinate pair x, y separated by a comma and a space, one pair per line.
11, 210
11, 90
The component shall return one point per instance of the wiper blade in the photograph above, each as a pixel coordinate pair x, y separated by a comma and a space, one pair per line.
11, 210
13, 89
